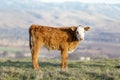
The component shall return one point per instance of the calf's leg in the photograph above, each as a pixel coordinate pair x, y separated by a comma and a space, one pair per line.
64, 58
35, 53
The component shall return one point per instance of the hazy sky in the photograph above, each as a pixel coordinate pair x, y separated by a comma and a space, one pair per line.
85, 1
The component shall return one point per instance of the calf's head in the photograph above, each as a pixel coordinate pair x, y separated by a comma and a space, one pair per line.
80, 32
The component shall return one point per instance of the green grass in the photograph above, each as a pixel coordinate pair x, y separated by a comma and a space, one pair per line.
20, 69
8, 49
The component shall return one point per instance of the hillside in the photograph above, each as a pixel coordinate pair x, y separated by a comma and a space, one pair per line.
102, 40
102, 18
20, 69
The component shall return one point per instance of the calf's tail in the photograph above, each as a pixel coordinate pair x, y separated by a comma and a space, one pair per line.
31, 37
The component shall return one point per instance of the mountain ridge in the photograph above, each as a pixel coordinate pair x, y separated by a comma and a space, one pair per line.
17, 16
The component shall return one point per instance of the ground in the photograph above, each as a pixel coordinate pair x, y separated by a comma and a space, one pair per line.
21, 69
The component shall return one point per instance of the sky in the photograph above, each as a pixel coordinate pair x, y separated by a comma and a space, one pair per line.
85, 1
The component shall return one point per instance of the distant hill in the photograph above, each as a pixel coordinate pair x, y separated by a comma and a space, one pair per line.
16, 16
96, 15
102, 18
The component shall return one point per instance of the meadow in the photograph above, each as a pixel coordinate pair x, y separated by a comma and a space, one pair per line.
21, 69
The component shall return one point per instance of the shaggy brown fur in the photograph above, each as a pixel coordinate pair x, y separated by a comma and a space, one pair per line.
63, 39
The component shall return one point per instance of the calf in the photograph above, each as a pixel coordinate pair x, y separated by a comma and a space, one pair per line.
65, 39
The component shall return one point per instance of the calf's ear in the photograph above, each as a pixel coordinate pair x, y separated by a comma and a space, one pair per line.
86, 28
73, 28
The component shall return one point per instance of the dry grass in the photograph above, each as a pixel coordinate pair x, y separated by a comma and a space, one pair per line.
20, 69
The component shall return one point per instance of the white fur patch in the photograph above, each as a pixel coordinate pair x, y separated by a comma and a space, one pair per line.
80, 33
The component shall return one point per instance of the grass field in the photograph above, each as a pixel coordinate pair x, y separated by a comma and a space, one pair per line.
20, 69
9, 49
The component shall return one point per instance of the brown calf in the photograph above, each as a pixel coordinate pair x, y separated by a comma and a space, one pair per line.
64, 39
